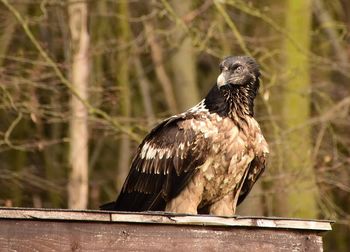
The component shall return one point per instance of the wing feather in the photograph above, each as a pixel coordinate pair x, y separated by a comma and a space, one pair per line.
164, 163
256, 168
258, 164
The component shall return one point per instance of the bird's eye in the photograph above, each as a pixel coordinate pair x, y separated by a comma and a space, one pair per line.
238, 69
221, 67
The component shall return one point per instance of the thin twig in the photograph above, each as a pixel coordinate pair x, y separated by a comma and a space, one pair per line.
144, 86
92, 110
325, 19
243, 6
233, 27
157, 57
9, 131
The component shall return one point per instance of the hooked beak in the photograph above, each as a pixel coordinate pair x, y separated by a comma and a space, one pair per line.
221, 80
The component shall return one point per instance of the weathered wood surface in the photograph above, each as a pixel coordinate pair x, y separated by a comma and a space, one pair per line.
67, 230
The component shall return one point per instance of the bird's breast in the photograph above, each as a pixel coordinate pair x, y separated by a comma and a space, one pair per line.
228, 159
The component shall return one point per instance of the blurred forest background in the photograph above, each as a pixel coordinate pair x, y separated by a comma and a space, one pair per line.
81, 83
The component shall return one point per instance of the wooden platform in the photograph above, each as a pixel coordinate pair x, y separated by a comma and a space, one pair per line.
67, 230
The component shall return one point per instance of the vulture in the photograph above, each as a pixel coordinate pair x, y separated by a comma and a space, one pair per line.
205, 160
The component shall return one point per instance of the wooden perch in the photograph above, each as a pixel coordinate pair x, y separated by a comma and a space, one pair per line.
71, 230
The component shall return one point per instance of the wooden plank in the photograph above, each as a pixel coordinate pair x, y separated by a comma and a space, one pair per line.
52, 214
24, 229
224, 221
163, 218
44, 235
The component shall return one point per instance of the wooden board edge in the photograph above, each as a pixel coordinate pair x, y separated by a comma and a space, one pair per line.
163, 218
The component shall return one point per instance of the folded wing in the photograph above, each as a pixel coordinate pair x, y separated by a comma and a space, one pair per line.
164, 163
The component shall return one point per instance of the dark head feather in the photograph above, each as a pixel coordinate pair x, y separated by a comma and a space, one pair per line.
236, 87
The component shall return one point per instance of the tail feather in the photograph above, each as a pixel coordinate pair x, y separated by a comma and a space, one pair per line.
136, 202
110, 206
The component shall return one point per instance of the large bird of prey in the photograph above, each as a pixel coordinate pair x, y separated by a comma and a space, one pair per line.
205, 160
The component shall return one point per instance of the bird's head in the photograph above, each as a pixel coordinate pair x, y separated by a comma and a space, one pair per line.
238, 70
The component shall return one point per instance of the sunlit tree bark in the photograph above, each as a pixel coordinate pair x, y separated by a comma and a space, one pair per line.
78, 178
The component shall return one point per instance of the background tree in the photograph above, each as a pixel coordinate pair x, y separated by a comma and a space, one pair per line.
149, 59
78, 178
183, 60
301, 196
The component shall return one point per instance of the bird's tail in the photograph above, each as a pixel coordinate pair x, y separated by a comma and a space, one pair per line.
110, 206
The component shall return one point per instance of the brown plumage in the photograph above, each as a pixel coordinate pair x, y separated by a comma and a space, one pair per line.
206, 159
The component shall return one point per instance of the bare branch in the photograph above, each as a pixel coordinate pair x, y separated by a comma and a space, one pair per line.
91, 109
157, 56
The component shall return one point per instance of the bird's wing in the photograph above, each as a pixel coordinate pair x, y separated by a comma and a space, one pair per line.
256, 168
164, 163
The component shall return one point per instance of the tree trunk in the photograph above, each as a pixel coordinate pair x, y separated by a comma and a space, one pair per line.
158, 61
300, 198
184, 63
123, 83
78, 179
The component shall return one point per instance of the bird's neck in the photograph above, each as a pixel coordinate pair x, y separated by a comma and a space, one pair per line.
231, 101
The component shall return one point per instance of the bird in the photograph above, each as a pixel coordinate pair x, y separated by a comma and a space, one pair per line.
206, 159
